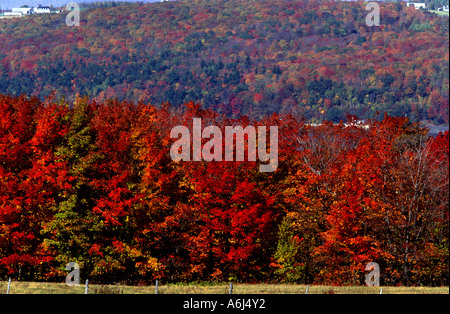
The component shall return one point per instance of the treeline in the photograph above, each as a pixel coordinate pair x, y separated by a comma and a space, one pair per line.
239, 57
436, 4
93, 183
107, 4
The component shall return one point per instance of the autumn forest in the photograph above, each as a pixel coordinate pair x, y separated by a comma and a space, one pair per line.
86, 114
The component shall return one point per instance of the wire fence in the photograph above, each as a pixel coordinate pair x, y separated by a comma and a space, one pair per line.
19, 287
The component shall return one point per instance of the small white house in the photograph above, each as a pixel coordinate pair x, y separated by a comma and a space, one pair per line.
22, 10
12, 13
417, 5
42, 9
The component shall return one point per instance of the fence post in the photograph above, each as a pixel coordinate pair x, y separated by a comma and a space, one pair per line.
307, 289
86, 288
156, 287
9, 285
230, 289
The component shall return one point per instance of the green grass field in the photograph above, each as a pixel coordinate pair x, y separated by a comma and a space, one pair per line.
440, 13
20, 287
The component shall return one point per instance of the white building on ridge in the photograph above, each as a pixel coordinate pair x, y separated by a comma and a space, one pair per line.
12, 13
42, 9
22, 10
26, 11
417, 5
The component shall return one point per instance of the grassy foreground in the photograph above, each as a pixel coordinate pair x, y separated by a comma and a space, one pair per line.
23, 287
440, 13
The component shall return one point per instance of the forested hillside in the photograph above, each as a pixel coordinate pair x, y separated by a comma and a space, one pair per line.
317, 58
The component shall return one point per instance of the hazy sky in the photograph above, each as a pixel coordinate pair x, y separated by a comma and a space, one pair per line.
8, 4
